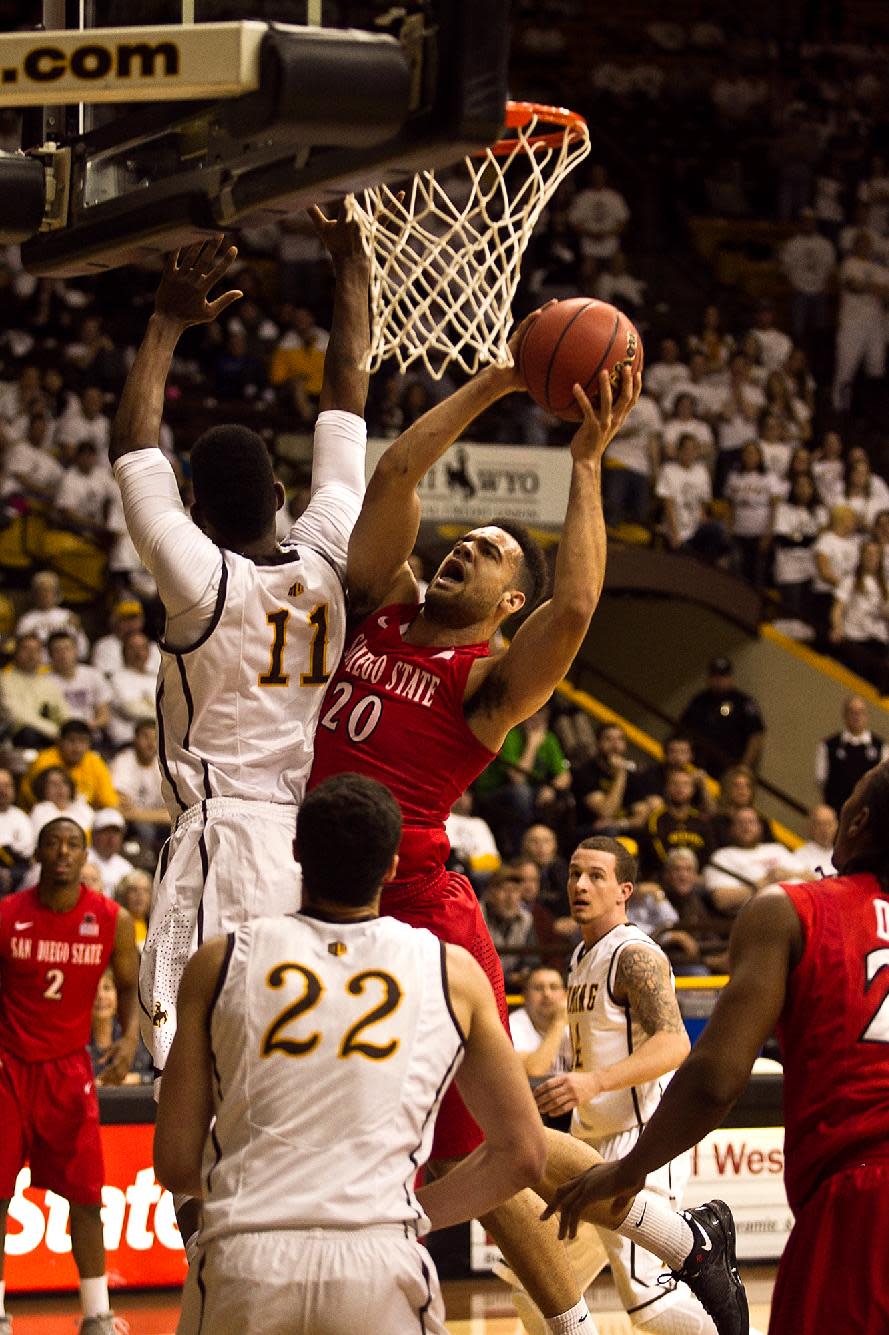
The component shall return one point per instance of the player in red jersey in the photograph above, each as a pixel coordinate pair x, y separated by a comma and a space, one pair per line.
812, 962
418, 702
421, 704
56, 941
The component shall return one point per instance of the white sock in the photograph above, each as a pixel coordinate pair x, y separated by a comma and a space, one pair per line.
94, 1296
576, 1321
653, 1225
2, 1298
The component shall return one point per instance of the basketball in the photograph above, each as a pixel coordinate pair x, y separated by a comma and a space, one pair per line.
569, 344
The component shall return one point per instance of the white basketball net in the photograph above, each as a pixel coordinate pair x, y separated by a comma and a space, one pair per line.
445, 259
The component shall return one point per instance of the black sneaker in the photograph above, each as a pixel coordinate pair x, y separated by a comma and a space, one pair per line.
711, 1268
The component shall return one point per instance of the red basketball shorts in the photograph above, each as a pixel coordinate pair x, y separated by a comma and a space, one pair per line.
833, 1274
446, 905
49, 1114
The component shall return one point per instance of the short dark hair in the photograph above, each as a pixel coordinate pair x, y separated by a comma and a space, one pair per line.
876, 798
625, 868
61, 820
41, 779
347, 832
533, 572
233, 481
57, 635
75, 727
544, 968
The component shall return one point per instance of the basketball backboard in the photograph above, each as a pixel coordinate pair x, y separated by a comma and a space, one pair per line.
172, 119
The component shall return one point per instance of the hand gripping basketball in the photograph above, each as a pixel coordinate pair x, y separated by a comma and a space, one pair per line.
571, 343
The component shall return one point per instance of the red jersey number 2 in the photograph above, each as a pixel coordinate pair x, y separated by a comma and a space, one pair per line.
878, 1029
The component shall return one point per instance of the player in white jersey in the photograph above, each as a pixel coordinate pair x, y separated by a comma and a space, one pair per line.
321, 1044
253, 628
627, 1036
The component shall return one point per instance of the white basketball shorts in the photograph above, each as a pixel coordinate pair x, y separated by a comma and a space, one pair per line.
227, 861
372, 1281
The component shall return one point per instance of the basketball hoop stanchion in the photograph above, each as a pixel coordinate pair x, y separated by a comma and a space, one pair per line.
446, 257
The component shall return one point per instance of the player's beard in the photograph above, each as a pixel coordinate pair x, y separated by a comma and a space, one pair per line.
454, 613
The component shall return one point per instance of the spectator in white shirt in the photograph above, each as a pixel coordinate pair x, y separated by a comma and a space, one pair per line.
56, 796
752, 491
796, 524
30, 469
774, 344
598, 215
141, 800
683, 485
84, 689
815, 856
85, 492
776, 446
809, 261
861, 332
714, 344
859, 622
708, 390
794, 416
108, 828
836, 556
862, 490
736, 872
31, 704
737, 416
539, 1028
630, 464
880, 533
471, 839
132, 689
45, 616
684, 422
668, 371
861, 222
617, 285
85, 419
127, 615
16, 837
828, 467
18, 398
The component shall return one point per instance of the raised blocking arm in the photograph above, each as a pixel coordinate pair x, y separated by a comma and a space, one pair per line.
181, 301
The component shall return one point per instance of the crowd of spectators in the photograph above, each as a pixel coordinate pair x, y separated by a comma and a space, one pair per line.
703, 845
751, 449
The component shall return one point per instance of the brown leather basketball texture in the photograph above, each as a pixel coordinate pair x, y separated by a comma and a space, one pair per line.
572, 342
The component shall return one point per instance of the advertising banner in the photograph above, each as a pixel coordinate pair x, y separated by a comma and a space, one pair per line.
473, 483
739, 1165
142, 1240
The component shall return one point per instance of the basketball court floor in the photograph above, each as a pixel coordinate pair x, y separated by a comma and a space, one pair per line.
474, 1307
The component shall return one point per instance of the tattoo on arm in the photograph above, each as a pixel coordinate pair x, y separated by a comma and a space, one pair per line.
643, 977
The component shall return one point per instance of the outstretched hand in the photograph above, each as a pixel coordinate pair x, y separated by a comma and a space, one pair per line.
341, 236
600, 425
188, 276
604, 1182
